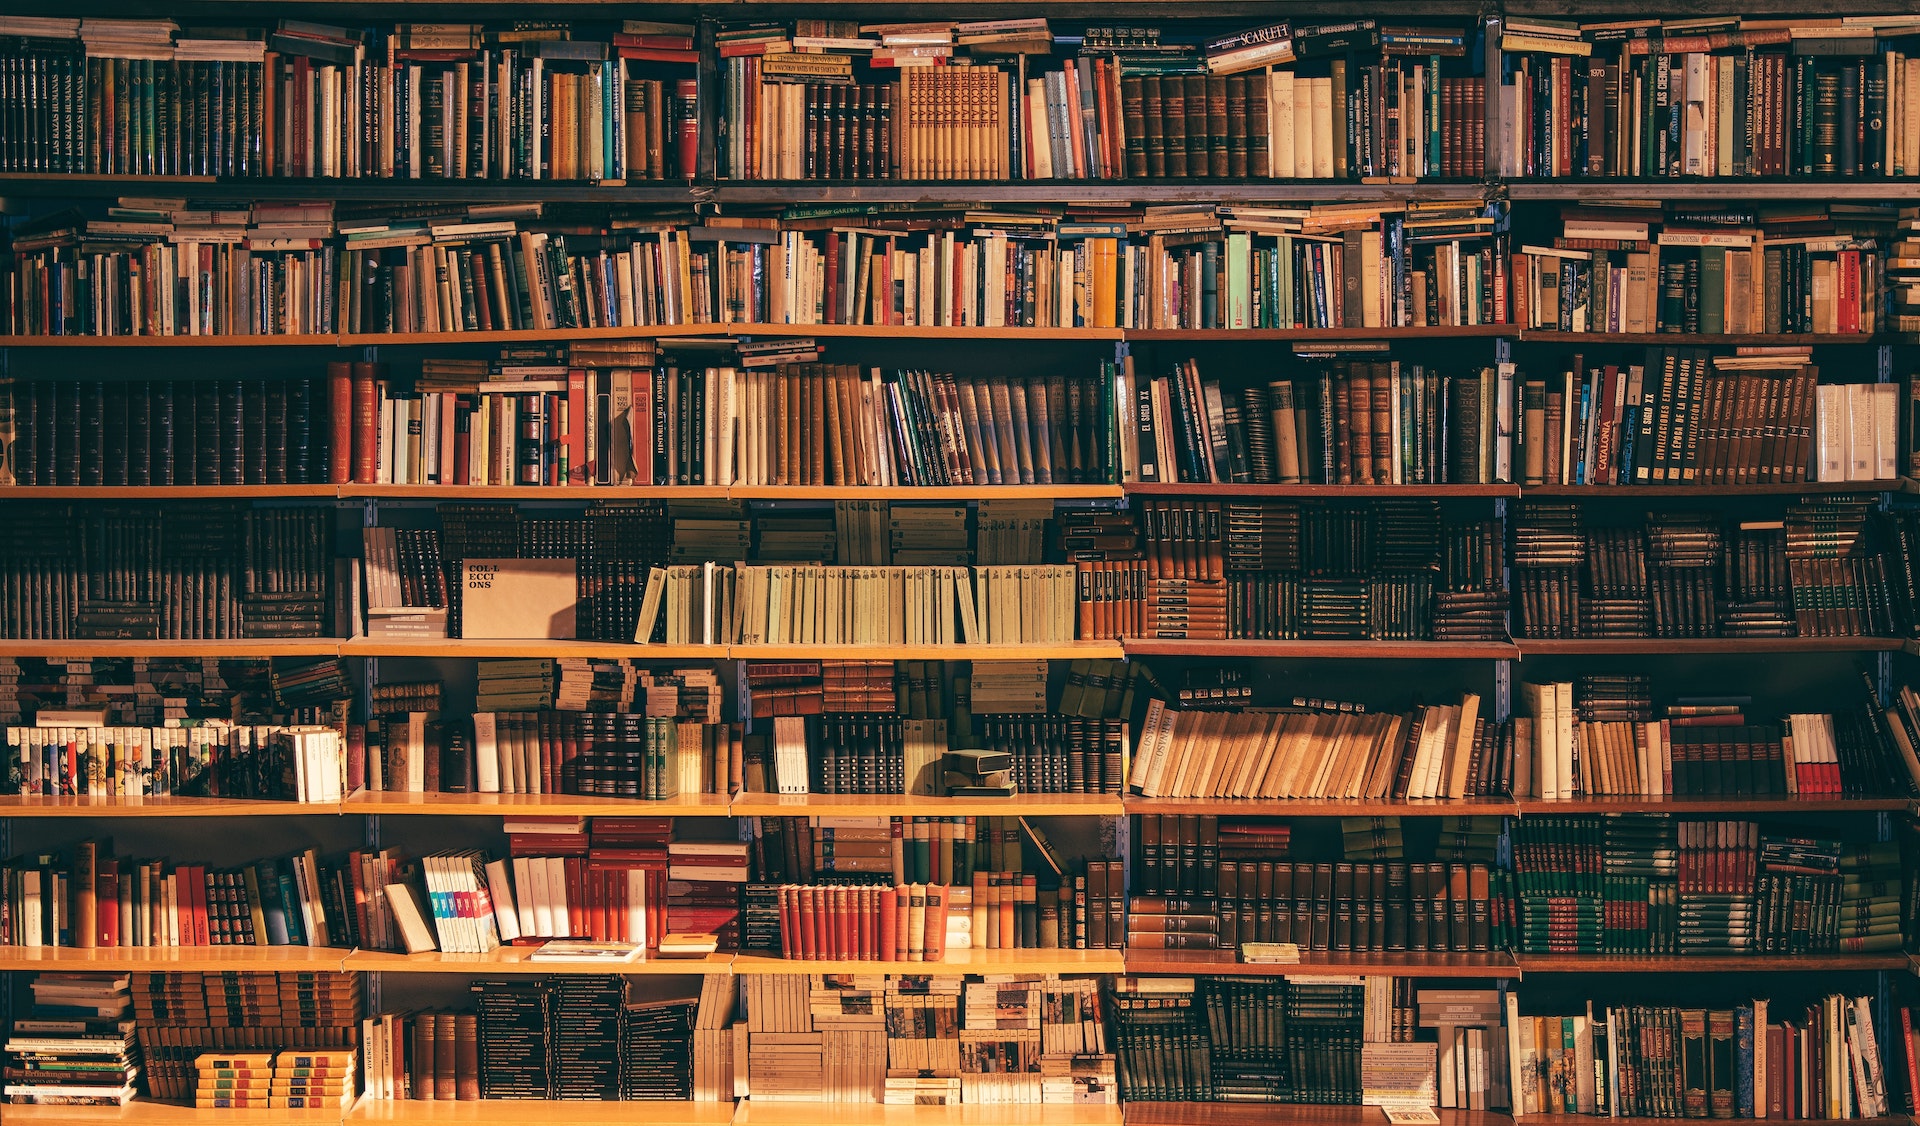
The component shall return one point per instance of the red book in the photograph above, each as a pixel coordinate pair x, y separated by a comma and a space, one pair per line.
658, 54
888, 923
869, 950
664, 42
107, 902
832, 300
201, 930
574, 436
686, 93
820, 902
340, 404
366, 425
788, 929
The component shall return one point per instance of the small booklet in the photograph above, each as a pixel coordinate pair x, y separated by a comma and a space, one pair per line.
1270, 953
574, 950
1407, 1115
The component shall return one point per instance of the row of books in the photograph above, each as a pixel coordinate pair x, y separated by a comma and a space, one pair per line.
788, 117
312, 100
1364, 906
1764, 1059
1821, 571
1706, 746
256, 761
184, 1018
1437, 750
706, 604
1724, 98
1683, 416
94, 899
160, 269
212, 570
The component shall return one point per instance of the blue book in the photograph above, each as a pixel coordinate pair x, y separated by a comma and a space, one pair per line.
1743, 1061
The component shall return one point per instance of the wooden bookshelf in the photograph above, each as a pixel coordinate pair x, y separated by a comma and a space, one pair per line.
549, 493
1356, 492
974, 960
1707, 963
1307, 337
1616, 188
167, 492
1268, 1114
181, 959
1355, 650
881, 805
519, 960
519, 1112
751, 1113
1320, 807
1698, 339
1061, 651
256, 649
1702, 646
161, 805
468, 647
1655, 492
543, 805
1687, 804
1191, 962
941, 493
166, 1114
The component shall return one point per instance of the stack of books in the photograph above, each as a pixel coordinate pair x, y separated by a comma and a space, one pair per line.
75, 1045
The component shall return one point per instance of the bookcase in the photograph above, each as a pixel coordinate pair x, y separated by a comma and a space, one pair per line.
1419, 487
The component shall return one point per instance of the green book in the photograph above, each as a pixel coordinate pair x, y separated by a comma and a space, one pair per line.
1713, 289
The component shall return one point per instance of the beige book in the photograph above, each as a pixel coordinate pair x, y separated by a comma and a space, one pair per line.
518, 598
1463, 747
1304, 124
1324, 128
1280, 118
1860, 442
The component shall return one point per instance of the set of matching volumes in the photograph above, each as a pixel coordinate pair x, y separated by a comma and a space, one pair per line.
1635, 268
1685, 417
705, 604
308, 763
183, 1016
1724, 97
301, 99
1763, 1059
249, 431
1436, 751
291, 1079
890, 924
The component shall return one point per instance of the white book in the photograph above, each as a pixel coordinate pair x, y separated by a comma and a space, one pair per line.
557, 894
486, 754
506, 913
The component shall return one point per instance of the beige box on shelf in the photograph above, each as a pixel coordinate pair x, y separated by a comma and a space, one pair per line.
518, 598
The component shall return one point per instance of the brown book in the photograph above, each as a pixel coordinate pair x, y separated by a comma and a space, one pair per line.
340, 403
1133, 119
1173, 128
1236, 125
1198, 159
420, 1069
365, 447
1339, 122
1459, 928
445, 1082
466, 1056
1382, 423
1218, 125
1153, 144
1259, 126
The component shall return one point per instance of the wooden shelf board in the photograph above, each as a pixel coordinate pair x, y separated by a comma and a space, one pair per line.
577, 495
1600, 646
943, 493
1188, 962
1274, 1114
255, 340
1358, 492
520, 1112
172, 958
518, 960
1355, 650
71, 647
1653, 492
1085, 191
1717, 190
1709, 804
969, 961
1319, 807
150, 1111
1064, 651
1707, 963
881, 805
38, 806
474, 647
874, 1114
544, 805
1311, 336
1696, 339
166, 492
